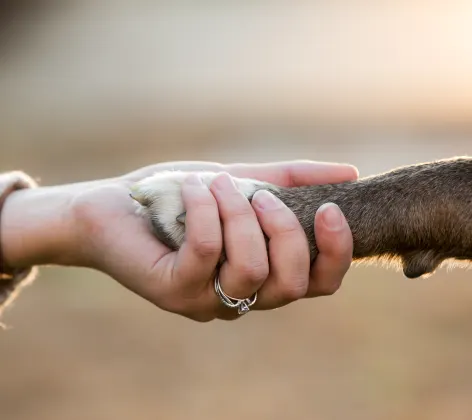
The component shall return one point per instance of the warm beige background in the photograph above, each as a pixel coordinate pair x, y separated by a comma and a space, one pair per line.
92, 89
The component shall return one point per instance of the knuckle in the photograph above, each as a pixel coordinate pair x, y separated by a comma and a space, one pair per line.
329, 288
291, 223
207, 245
295, 290
205, 205
294, 277
339, 246
254, 271
238, 208
286, 223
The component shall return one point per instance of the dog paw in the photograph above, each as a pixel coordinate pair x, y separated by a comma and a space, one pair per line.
159, 198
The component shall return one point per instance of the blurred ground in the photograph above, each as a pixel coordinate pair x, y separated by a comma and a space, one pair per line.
79, 101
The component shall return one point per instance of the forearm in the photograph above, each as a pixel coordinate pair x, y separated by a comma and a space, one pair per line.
40, 226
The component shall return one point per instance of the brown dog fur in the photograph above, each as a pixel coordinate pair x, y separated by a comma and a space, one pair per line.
420, 214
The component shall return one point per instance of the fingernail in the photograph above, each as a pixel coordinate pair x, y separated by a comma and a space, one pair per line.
223, 182
181, 217
137, 195
332, 216
264, 200
194, 179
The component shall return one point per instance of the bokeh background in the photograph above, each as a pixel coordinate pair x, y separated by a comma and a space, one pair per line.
92, 89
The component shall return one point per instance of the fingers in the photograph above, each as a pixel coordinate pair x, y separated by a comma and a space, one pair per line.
335, 245
286, 174
288, 250
296, 173
247, 265
197, 258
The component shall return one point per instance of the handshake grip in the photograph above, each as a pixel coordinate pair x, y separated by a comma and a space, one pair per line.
415, 217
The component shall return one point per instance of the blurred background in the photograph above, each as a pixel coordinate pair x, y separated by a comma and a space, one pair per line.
92, 89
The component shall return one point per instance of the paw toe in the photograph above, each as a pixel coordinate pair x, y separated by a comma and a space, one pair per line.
420, 263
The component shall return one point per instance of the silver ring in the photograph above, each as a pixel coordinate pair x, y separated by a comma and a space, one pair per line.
243, 305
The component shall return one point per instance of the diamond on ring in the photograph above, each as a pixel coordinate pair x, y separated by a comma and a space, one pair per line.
243, 305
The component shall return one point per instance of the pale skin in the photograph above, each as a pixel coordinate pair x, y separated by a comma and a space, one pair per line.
95, 225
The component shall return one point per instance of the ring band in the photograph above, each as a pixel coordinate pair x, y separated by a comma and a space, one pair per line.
243, 305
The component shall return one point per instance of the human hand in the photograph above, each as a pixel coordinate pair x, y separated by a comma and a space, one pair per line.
95, 225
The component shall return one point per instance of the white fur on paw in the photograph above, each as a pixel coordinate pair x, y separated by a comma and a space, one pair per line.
160, 198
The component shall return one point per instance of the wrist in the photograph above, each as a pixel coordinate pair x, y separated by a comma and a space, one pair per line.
36, 227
